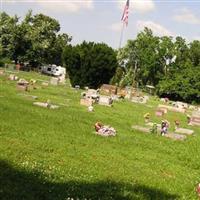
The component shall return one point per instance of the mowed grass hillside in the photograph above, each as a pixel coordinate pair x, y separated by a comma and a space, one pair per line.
54, 154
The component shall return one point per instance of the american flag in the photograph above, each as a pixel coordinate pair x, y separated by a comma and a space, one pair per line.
125, 13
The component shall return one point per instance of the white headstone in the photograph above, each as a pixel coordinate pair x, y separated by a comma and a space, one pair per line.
105, 100
54, 81
62, 79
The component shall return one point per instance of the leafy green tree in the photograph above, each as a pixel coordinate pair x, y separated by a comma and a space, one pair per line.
148, 57
116, 79
8, 33
56, 51
181, 50
128, 58
166, 51
42, 32
194, 52
183, 85
142, 55
90, 64
34, 39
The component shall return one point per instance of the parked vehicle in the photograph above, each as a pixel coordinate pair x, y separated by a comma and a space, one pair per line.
53, 70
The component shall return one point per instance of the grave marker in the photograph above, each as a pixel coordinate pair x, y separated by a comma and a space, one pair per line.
54, 81
138, 99
86, 102
195, 121
108, 89
171, 108
141, 128
168, 135
184, 131
159, 113
1, 72
62, 79
13, 77
22, 87
164, 110
45, 84
45, 105
175, 136
105, 100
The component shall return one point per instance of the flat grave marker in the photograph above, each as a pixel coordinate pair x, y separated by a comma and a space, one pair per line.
184, 131
173, 136
171, 108
45, 105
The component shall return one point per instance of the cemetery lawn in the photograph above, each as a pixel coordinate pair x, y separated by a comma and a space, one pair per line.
55, 155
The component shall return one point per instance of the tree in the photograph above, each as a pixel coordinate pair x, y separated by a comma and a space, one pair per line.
142, 55
128, 60
181, 50
56, 51
35, 39
8, 32
183, 85
90, 64
166, 53
42, 32
148, 57
194, 52
116, 79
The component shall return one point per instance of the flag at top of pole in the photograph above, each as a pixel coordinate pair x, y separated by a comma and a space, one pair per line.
125, 13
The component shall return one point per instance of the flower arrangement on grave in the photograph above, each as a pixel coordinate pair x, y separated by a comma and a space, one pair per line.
147, 117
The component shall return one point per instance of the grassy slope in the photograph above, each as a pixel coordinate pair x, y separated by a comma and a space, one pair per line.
53, 154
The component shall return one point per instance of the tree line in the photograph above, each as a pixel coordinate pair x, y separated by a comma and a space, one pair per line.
170, 64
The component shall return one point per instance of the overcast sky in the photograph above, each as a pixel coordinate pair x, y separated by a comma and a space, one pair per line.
100, 20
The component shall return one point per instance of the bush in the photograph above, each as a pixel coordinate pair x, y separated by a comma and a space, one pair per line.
3, 61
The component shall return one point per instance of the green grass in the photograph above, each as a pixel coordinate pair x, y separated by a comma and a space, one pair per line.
54, 154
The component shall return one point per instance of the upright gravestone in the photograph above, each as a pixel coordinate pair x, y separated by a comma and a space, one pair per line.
62, 79
54, 81
105, 100
138, 99
22, 85
195, 119
86, 102
108, 89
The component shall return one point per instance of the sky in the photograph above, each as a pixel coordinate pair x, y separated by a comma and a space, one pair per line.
100, 20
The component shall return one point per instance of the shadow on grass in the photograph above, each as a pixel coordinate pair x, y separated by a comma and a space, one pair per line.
17, 184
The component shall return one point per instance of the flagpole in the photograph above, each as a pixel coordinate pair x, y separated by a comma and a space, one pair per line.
124, 19
1, 6
121, 36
